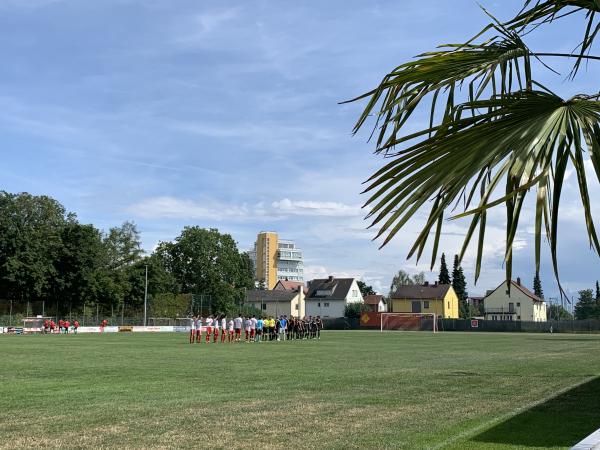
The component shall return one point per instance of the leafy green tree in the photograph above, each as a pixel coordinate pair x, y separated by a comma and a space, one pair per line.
204, 261
79, 267
365, 289
537, 286
460, 287
491, 124
597, 291
444, 277
30, 242
354, 310
586, 305
558, 312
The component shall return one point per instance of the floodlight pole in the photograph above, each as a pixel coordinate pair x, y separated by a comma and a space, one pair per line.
146, 297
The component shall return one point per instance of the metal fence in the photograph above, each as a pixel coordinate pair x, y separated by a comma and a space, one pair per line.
556, 326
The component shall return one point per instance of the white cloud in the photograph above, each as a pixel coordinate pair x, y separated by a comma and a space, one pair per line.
166, 207
312, 208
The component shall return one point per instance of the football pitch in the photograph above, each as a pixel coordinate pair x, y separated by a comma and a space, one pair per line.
355, 389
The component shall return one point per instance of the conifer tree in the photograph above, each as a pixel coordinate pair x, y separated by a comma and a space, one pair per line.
460, 287
537, 286
597, 291
444, 277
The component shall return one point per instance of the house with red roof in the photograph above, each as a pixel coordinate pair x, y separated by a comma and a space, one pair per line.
512, 302
375, 303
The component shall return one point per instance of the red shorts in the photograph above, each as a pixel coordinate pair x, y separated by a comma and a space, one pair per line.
252, 332
208, 330
216, 331
231, 332
238, 331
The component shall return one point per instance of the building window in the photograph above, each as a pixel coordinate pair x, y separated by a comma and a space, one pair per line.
296, 306
354, 293
326, 305
518, 317
448, 305
264, 306
319, 304
518, 305
426, 304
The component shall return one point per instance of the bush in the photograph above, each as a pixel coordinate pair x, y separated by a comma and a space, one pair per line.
354, 310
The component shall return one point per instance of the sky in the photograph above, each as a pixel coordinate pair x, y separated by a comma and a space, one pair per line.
226, 114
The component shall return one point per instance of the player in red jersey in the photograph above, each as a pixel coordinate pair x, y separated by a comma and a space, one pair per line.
61, 324
67, 324
75, 326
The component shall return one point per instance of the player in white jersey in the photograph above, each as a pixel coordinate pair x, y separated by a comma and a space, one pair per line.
192, 329
223, 329
198, 329
237, 324
209, 325
230, 329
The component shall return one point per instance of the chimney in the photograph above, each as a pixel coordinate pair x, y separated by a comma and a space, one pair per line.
518, 281
330, 279
435, 284
426, 283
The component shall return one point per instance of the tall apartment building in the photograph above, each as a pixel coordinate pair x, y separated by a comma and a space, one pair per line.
276, 259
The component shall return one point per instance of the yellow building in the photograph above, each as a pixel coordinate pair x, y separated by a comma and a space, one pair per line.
428, 298
276, 259
266, 258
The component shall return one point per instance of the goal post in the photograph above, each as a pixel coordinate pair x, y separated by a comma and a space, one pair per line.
409, 322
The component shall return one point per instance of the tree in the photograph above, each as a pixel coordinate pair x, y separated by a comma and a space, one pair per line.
586, 306
354, 310
460, 287
365, 289
79, 267
597, 291
491, 123
402, 278
558, 312
444, 277
30, 242
204, 261
537, 286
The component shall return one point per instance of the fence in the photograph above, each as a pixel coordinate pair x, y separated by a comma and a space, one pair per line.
372, 320
557, 326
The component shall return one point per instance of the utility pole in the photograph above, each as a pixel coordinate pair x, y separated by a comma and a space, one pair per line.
146, 297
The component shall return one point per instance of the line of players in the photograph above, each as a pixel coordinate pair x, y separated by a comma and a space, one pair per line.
255, 330
62, 327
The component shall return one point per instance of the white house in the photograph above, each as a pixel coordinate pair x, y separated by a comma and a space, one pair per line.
518, 304
328, 297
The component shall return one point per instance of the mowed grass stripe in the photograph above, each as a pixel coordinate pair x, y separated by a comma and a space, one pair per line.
348, 390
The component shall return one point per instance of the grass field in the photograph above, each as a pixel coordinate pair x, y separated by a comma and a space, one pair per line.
348, 390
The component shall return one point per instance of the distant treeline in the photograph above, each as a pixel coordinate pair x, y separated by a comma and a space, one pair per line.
46, 254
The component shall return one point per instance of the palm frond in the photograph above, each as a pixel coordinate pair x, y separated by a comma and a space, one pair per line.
526, 138
402, 90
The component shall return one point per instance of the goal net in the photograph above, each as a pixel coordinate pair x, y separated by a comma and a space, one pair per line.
409, 321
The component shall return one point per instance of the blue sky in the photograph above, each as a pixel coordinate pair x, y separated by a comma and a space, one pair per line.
225, 114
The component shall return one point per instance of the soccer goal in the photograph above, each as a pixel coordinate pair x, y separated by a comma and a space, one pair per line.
409, 321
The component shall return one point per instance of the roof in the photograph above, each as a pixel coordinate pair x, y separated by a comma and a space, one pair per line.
521, 288
290, 286
270, 296
340, 288
420, 292
373, 299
